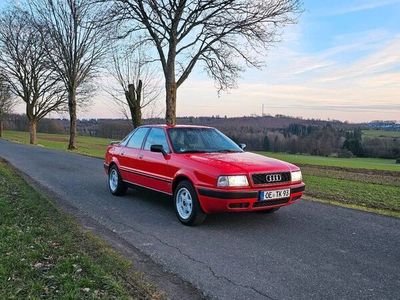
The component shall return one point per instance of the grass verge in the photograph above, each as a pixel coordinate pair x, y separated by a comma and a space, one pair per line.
384, 212
44, 254
354, 192
87, 145
362, 183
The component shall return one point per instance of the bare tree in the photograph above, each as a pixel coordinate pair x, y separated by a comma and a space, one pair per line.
24, 64
7, 102
223, 36
77, 42
138, 81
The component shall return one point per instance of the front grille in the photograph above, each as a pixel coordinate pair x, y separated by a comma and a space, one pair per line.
261, 178
270, 202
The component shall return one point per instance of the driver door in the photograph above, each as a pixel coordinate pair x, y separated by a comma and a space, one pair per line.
154, 165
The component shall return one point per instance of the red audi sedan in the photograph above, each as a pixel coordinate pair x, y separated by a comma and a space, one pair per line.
204, 171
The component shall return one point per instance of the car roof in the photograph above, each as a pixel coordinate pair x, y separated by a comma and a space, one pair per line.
176, 126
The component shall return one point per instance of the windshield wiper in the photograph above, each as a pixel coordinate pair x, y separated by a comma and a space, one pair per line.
193, 151
227, 150
210, 151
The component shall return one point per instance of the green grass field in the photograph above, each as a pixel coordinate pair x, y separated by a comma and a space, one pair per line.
87, 145
359, 182
45, 255
363, 182
381, 133
356, 163
357, 192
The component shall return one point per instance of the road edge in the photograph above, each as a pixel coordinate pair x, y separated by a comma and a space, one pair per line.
365, 209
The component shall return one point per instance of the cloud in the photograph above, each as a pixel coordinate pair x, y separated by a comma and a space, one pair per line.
301, 82
362, 5
357, 79
386, 58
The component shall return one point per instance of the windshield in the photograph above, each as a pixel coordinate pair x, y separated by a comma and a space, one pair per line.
191, 140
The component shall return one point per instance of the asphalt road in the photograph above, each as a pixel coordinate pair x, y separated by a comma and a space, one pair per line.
305, 251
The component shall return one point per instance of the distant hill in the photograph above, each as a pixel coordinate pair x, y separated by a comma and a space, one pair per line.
268, 122
92, 126
384, 125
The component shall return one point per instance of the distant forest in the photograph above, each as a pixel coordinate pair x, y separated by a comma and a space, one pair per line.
267, 133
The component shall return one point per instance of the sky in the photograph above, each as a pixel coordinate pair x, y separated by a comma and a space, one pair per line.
341, 61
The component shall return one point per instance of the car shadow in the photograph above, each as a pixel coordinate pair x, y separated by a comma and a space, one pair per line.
151, 197
163, 204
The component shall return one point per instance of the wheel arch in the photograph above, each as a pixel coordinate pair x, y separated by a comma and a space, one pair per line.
184, 177
179, 178
113, 162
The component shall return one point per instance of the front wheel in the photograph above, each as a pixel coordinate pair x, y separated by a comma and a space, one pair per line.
116, 185
187, 205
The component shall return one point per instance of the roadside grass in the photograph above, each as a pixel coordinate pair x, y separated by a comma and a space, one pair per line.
384, 212
364, 183
354, 192
44, 254
390, 178
92, 146
355, 162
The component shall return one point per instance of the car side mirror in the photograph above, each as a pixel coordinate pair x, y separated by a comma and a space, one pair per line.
242, 146
115, 142
158, 148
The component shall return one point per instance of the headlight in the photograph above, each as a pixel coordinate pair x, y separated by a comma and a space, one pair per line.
296, 176
239, 180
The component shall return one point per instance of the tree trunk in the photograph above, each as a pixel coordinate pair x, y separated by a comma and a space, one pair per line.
138, 107
170, 101
32, 132
1, 127
72, 119
170, 86
133, 97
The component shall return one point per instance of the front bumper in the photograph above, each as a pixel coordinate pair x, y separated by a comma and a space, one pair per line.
219, 200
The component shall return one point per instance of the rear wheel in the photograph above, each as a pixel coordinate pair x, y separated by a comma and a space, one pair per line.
116, 185
187, 205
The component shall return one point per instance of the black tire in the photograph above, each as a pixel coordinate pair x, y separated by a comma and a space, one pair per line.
197, 216
121, 187
269, 211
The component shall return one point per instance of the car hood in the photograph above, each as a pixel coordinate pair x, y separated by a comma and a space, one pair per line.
245, 162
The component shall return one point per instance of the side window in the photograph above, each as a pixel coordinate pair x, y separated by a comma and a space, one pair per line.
137, 138
156, 137
126, 139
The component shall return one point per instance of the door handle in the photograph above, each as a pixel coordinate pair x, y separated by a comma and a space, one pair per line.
140, 156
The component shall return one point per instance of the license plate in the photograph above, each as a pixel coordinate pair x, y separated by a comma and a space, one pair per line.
276, 194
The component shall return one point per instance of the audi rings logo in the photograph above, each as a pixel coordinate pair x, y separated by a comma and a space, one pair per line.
273, 178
